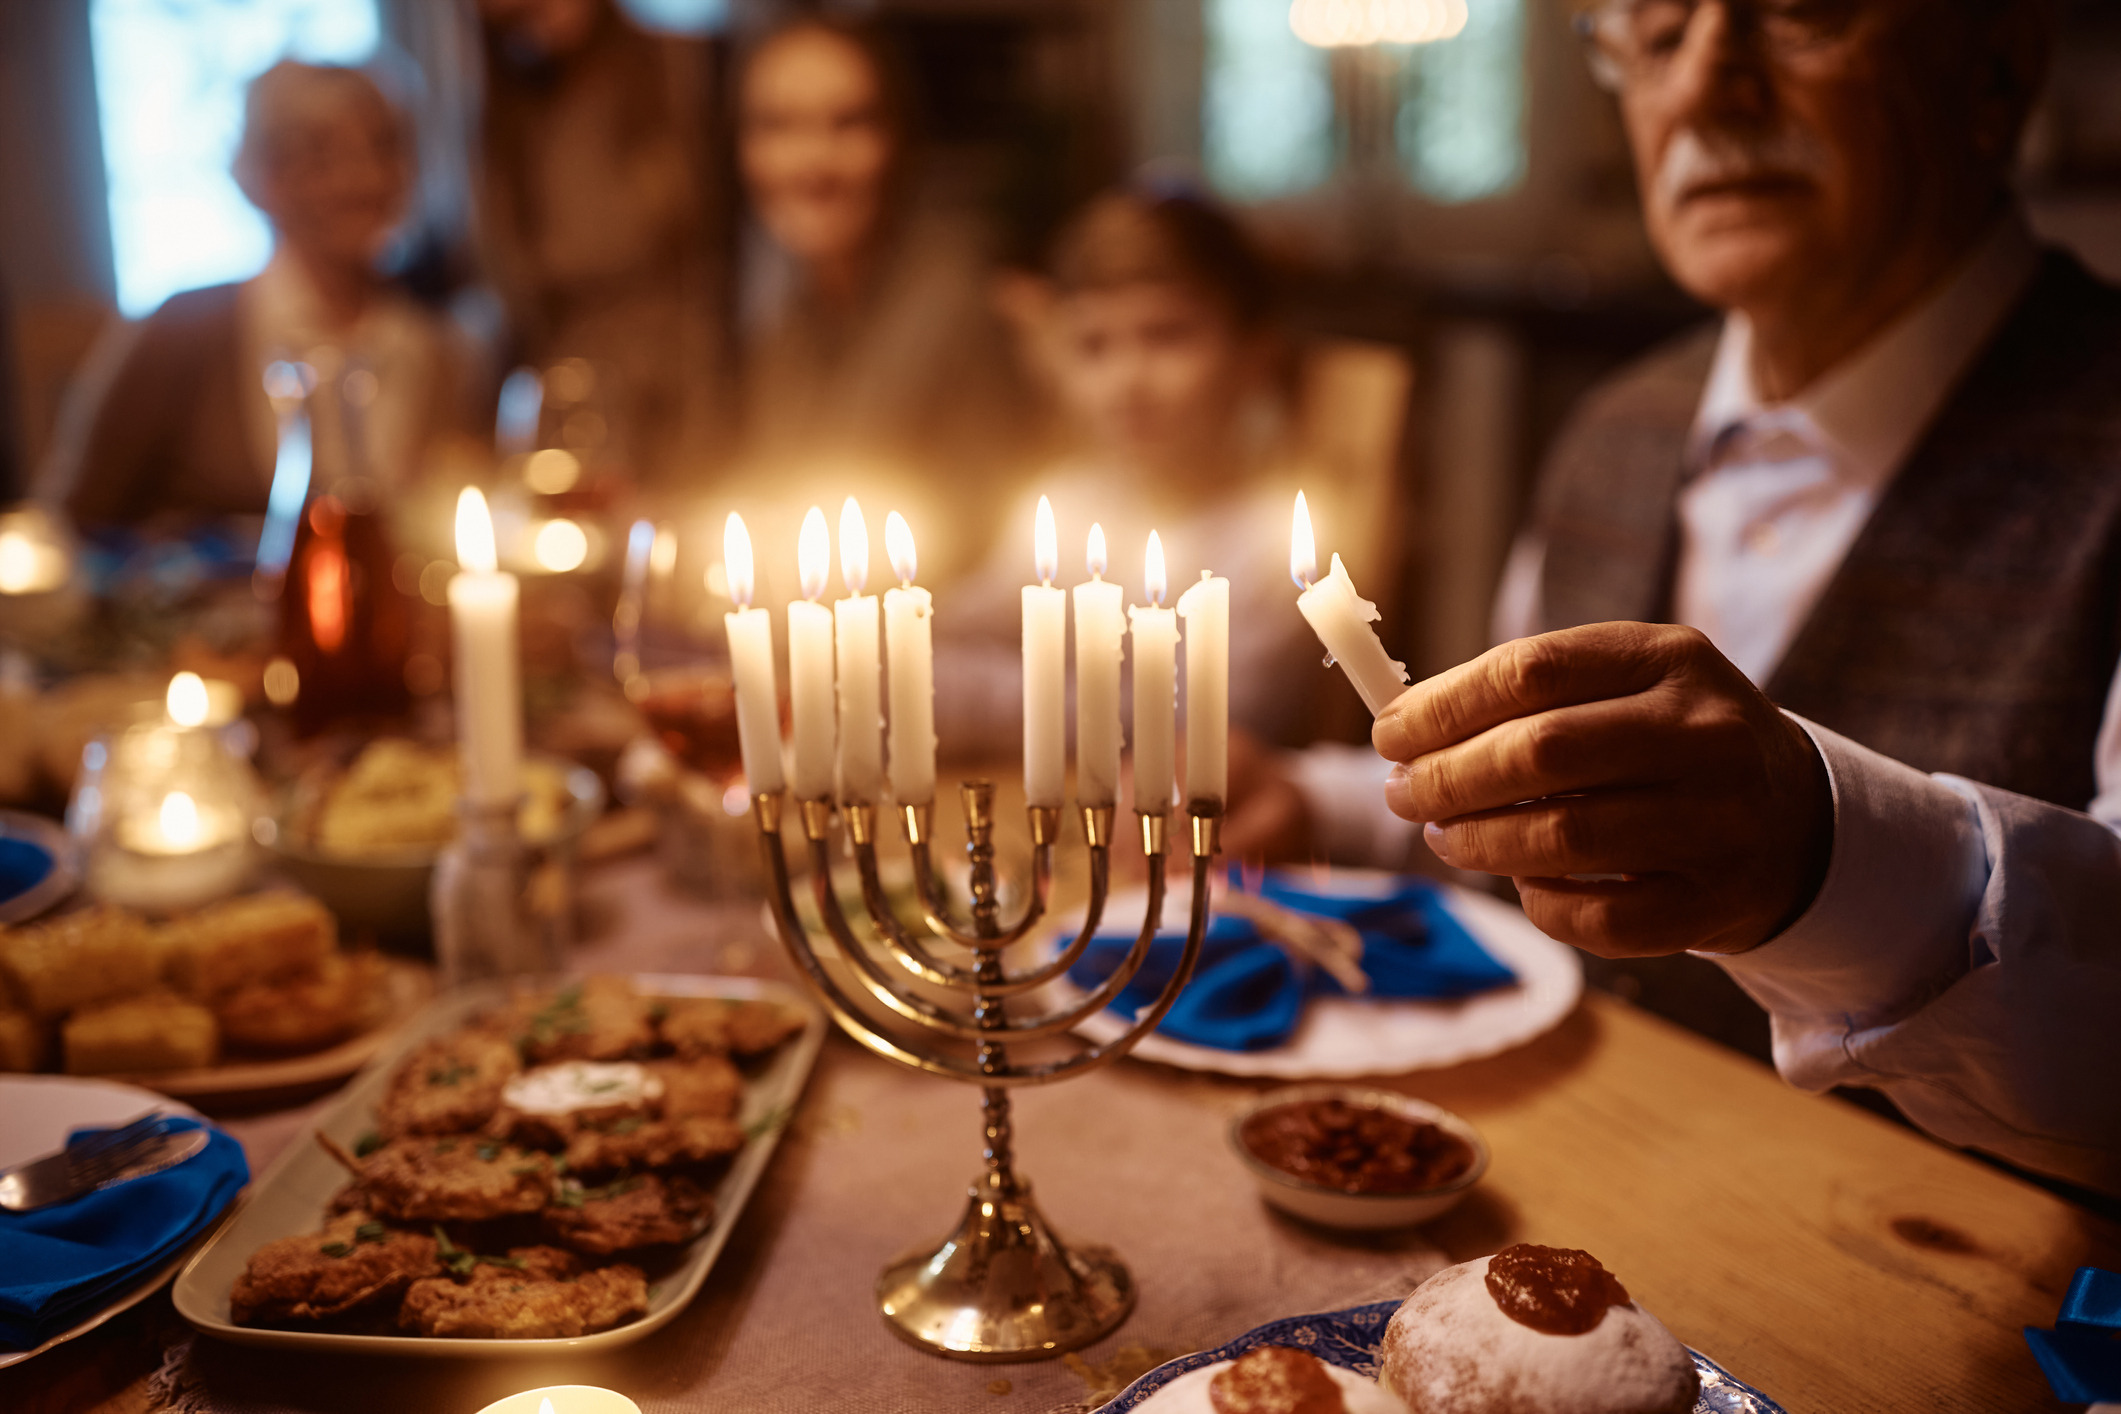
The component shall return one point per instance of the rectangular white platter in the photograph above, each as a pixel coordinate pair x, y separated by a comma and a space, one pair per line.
291, 1196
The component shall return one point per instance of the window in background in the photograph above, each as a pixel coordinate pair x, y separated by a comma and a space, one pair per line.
688, 17
170, 76
1266, 104
1461, 125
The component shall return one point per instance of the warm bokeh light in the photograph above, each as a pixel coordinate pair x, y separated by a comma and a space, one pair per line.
475, 533
854, 548
663, 555
813, 553
560, 546
283, 682
736, 559
1153, 580
1045, 543
552, 471
1333, 24
179, 820
33, 559
1303, 550
186, 700
898, 544
1095, 557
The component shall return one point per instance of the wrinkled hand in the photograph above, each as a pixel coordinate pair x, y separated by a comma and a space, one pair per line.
1617, 749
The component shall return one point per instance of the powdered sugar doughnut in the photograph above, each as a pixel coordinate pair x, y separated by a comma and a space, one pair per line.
1452, 1349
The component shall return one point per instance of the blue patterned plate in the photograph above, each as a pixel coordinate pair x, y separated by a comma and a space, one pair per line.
1350, 1338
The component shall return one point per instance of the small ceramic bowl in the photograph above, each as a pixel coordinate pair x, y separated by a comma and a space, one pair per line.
1333, 1207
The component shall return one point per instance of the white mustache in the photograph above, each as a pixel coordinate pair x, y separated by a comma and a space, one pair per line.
1694, 158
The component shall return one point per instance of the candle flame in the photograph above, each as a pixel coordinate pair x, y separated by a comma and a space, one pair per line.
545, 1406
180, 819
1153, 571
1045, 543
854, 548
813, 553
1095, 556
898, 544
736, 556
1333, 24
18, 563
187, 700
1303, 550
475, 532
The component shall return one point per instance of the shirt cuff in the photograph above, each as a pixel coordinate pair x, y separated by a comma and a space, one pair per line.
1892, 924
1344, 792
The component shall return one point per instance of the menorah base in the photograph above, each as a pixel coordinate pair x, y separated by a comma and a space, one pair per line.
1002, 1287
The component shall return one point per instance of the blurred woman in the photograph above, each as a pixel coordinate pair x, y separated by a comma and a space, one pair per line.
870, 346
1159, 344
178, 427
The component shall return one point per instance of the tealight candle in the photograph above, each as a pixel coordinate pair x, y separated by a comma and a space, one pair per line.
1341, 618
1205, 607
1155, 631
1099, 625
909, 619
482, 618
855, 645
758, 715
1045, 669
564, 1399
810, 663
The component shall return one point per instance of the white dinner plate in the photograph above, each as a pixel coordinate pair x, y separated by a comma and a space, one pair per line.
37, 1112
290, 1199
1341, 1037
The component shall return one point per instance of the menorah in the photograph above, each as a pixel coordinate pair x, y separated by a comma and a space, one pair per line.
1001, 1286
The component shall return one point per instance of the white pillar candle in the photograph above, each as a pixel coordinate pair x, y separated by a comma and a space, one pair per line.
856, 641
758, 702
1155, 631
482, 621
909, 619
1099, 625
1205, 607
564, 1399
810, 650
1045, 669
1341, 618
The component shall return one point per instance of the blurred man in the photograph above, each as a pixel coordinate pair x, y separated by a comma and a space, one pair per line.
1886, 496
179, 427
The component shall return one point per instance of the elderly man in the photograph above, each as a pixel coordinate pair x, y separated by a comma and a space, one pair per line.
1881, 511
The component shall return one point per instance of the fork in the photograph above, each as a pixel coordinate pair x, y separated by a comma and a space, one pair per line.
81, 1167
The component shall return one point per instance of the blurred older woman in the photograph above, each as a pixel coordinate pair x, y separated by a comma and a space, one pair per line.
173, 424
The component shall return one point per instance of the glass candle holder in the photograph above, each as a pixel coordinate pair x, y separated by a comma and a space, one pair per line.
165, 814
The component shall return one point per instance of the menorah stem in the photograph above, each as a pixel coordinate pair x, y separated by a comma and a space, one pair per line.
978, 798
988, 1011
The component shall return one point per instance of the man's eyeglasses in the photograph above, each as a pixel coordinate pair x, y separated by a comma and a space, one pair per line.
1632, 42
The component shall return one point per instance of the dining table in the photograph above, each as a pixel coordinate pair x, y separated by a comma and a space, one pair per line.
1835, 1260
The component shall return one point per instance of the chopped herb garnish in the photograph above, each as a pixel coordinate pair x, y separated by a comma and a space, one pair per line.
367, 1144
371, 1232
489, 1152
448, 1074
447, 1146
528, 1170
627, 1125
460, 1262
561, 1016
657, 1011
335, 1249
569, 1195
768, 1122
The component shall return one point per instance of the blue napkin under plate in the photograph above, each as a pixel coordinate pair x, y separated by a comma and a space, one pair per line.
1248, 994
59, 1263
2081, 1356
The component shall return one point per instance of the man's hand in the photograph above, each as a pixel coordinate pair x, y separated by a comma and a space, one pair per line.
1617, 749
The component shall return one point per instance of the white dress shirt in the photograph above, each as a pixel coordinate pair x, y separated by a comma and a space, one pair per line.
1964, 953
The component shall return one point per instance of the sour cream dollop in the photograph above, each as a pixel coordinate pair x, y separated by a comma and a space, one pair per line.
580, 1085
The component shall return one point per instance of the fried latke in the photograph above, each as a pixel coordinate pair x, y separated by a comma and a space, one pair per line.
652, 1144
547, 1296
709, 1086
308, 1012
599, 1018
715, 1026
639, 1211
354, 1262
448, 1086
455, 1178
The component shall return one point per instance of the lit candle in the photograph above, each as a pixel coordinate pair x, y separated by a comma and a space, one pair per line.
482, 617
1206, 609
1155, 630
909, 618
1341, 618
1099, 624
758, 706
564, 1399
810, 662
860, 667
1045, 669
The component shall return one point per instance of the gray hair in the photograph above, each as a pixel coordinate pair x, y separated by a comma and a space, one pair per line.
290, 95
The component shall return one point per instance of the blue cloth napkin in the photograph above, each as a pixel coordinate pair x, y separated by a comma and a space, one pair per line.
59, 1263
1248, 995
2081, 1356
23, 866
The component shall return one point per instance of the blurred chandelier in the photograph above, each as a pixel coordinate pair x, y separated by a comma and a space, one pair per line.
1339, 24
